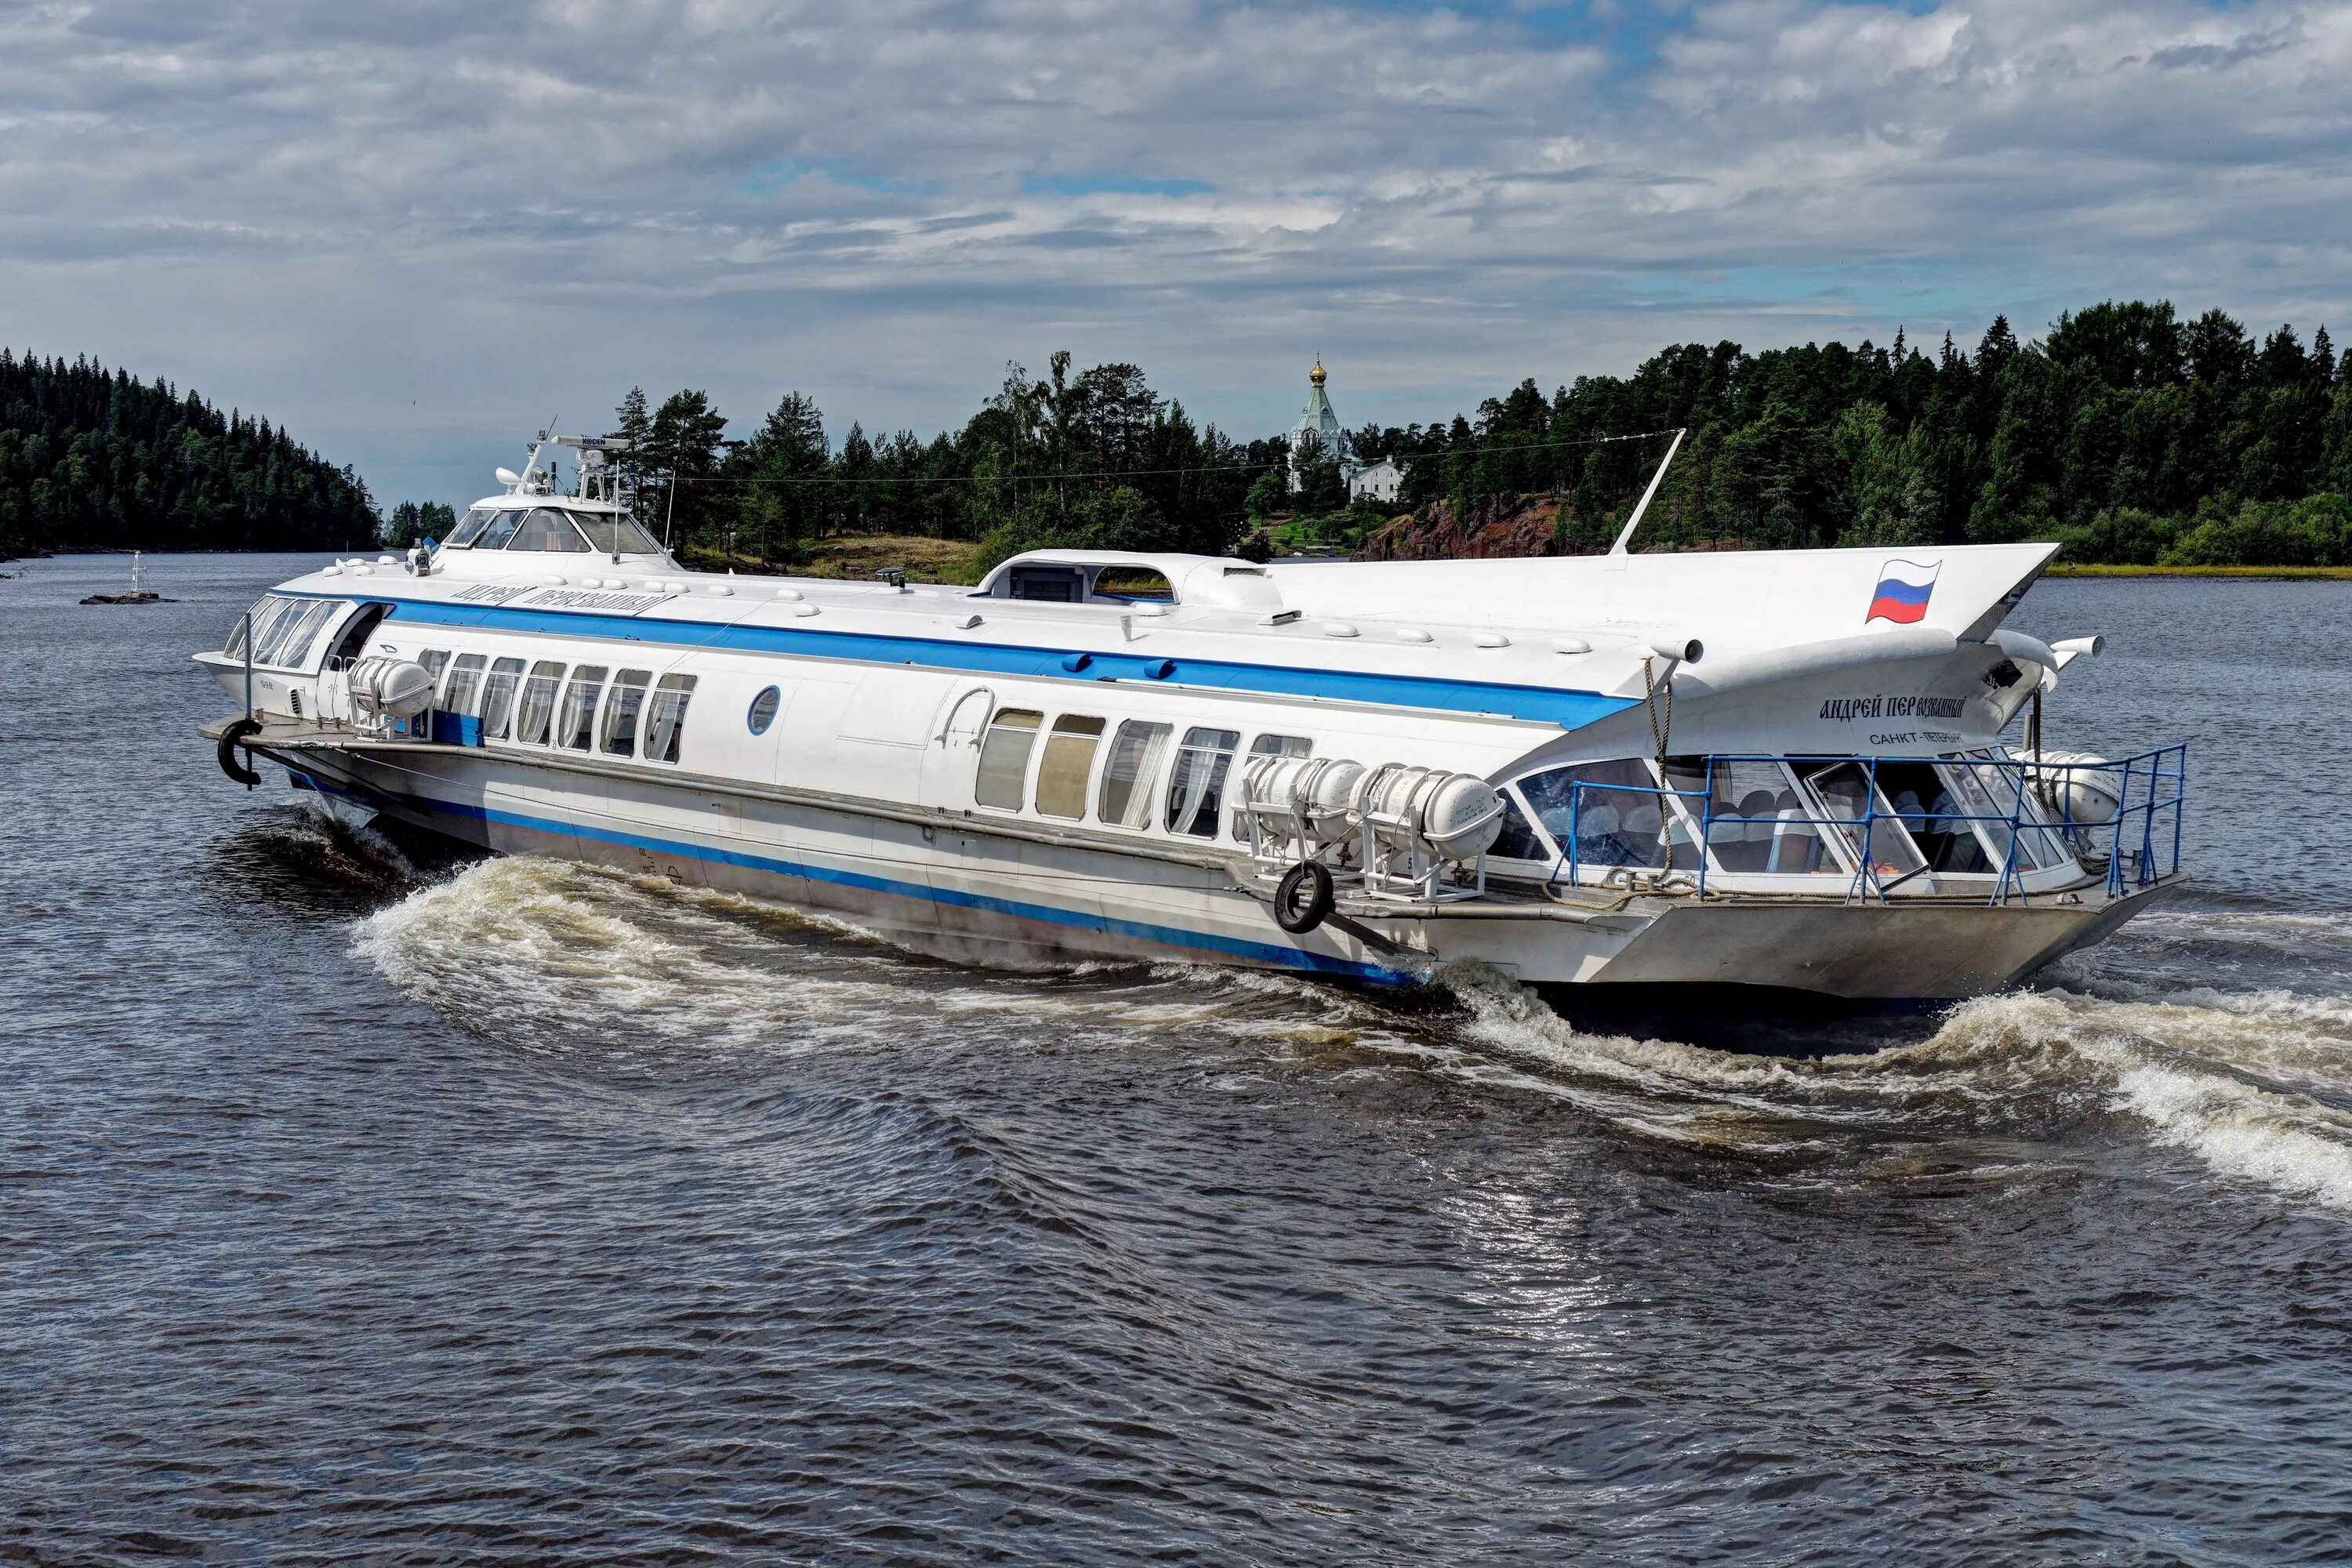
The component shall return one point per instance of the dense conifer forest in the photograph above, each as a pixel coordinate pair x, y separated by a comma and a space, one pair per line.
2129, 434
97, 459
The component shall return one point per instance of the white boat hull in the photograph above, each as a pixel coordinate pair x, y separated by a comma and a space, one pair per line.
968, 892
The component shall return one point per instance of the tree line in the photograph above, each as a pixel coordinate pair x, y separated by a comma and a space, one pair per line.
1094, 459
2129, 435
92, 459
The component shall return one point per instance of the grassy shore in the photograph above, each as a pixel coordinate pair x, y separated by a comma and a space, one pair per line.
2093, 569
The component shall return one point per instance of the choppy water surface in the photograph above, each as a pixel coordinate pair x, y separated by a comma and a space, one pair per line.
510, 1211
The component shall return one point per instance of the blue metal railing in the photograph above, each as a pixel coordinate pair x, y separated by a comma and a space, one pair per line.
2022, 803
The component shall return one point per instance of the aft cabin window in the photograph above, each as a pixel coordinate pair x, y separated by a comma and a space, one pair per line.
666, 717
1196, 788
1608, 811
1847, 795
1004, 757
575, 720
1136, 753
1755, 819
1069, 762
622, 709
538, 701
499, 697
547, 529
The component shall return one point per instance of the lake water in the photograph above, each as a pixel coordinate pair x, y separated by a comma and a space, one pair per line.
359, 1209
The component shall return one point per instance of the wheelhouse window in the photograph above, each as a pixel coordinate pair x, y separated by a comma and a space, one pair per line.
501, 530
465, 683
538, 711
1196, 787
499, 697
576, 720
1068, 762
666, 717
1135, 754
1004, 757
622, 710
615, 534
469, 528
549, 530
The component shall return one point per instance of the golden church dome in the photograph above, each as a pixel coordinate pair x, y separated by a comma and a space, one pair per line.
1315, 376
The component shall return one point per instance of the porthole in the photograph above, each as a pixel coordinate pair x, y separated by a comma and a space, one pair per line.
763, 710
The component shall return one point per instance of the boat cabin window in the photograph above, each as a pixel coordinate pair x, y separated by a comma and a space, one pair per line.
284, 629
499, 697
1069, 762
1136, 753
622, 710
1609, 811
1993, 795
1049, 584
1518, 839
614, 535
666, 717
469, 528
762, 711
435, 660
1196, 787
538, 711
465, 683
576, 720
1134, 582
547, 529
501, 529
1755, 819
1866, 819
1004, 757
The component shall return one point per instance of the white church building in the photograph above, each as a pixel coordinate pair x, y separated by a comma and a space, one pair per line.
1378, 481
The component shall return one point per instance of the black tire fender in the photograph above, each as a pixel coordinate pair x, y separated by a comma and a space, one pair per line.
231, 738
1314, 881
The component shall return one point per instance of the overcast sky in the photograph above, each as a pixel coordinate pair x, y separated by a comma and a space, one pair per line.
412, 232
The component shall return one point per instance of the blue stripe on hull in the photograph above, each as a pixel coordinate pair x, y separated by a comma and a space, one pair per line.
1568, 709
1140, 931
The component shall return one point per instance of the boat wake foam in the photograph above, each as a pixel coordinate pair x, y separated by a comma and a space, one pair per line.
2255, 1084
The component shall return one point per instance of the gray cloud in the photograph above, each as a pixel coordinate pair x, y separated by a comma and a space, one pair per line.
410, 232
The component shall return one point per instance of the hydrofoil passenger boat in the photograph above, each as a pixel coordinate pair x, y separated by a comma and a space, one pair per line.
1781, 769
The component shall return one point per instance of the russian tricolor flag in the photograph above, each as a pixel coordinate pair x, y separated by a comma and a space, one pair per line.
1903, 587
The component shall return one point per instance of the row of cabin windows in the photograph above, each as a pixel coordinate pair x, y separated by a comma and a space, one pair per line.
551, 707
1948, 816
1198, 774
550, 527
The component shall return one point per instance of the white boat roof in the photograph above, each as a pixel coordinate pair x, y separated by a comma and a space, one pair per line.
1555, 640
